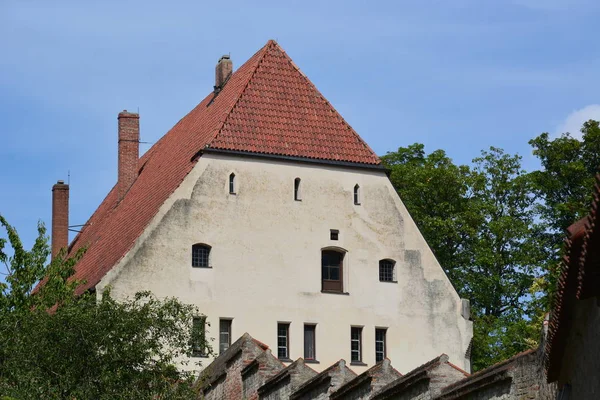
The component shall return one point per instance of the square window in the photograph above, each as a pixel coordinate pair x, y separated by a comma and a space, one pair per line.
200, 253
386, 270
334, 234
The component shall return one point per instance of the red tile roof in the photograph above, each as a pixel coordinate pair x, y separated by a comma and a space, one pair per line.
267, 106
281, 112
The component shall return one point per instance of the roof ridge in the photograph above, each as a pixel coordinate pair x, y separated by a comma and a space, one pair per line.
324, 99
241, 93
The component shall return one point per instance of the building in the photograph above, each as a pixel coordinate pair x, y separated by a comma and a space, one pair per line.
264, 208
573, 351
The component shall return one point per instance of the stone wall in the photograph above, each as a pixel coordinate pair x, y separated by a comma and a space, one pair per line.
287, 381
581, 361
521, 377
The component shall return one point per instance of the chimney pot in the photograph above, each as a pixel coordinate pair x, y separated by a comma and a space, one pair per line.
60, 217
129, 151
222, 72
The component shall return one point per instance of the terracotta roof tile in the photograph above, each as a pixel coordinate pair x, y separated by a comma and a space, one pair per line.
281, 112
267, 106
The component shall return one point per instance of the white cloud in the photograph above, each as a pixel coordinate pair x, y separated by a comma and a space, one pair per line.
575, 120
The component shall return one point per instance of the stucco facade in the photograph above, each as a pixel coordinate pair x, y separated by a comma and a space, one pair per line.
265, 260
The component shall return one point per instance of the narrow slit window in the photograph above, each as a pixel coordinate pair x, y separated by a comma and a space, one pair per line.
309, 343
200, 255
380, 344
232, 183
386, 270
283, 341
297, 190
356, 344
357, 195
224, 335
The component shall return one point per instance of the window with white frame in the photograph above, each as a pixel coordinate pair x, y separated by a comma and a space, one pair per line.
356, 344
380, 344
283, 340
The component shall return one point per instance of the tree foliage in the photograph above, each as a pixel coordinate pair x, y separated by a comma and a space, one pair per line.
55, 345
480, 222
564, 186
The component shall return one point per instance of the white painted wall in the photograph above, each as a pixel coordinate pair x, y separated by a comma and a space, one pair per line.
266, 261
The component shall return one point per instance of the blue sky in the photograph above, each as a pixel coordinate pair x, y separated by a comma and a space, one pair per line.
459, 75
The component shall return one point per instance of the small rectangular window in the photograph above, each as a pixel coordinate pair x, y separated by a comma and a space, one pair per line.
309, 342
224, 335
356, 344
200, 254
380, 344
386, 271
283, 341
334, 234
198, 337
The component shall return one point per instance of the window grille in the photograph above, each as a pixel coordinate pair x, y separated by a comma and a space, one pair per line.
356, 344
380, 344
200, 253
386, 270
283, 341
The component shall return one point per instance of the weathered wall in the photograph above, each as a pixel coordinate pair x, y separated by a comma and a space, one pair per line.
420, 391
442, 376
581, 363
254, 376
266, 261
522, 378
338, 376
299, 374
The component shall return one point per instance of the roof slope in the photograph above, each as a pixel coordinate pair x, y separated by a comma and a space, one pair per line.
267, 106
281, 112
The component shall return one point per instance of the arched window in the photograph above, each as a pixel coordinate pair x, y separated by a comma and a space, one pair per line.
386, 270
297, 192
200, 253
357, 194
232, 183
332, 271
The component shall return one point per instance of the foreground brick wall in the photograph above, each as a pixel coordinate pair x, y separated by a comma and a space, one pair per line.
581, 363
255, 374
295, 375
522, 377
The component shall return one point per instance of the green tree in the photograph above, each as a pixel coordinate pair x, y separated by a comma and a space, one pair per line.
55, 345
437, 194
508, 256
481, 224
564, 186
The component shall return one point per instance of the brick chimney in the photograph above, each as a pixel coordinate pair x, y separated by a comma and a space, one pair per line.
129, 150
60, 217
222, 72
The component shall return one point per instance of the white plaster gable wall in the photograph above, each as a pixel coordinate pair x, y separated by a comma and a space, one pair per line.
266, 261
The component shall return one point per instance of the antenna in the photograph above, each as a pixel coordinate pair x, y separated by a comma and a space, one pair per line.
68, 177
